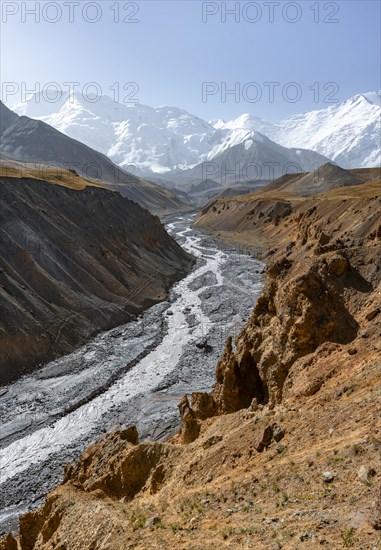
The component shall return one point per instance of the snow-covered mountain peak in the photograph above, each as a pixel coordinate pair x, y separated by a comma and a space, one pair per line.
373, 97
166, 138
348, 133
218, 123
245, 121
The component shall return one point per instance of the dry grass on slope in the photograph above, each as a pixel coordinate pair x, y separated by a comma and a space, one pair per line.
51, 174
156, 199
289, 187
260, 217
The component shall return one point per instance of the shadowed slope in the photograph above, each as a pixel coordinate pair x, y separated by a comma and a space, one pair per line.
74, 263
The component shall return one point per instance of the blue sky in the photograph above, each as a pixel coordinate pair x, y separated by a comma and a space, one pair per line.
311, 52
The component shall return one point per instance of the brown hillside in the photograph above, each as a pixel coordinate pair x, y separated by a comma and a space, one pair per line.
52, 174
155, 198
325, 178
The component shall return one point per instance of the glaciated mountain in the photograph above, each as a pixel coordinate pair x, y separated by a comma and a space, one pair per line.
348, 133
157, 139
166, 140
29, 140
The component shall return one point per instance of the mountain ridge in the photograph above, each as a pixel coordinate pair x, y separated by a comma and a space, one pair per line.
29, 140
166, 140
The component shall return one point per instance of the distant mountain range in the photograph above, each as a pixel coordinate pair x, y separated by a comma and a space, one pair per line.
167, 141
33, 141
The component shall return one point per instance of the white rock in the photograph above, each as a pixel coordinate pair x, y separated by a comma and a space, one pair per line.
328, 477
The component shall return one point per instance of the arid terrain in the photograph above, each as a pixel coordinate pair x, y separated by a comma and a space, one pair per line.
285, 452
75, 259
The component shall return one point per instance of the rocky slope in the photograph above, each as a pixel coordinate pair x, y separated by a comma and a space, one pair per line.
324, 262
74, 262
285, 451
27, 140
251, 213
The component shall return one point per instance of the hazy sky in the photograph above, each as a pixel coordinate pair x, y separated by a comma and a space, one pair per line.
278, 57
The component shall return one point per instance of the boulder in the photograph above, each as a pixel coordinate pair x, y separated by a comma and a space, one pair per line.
278, 432
328, 477
202, 344
151, 522
337, 265
213, 440
365, 473
263, 439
